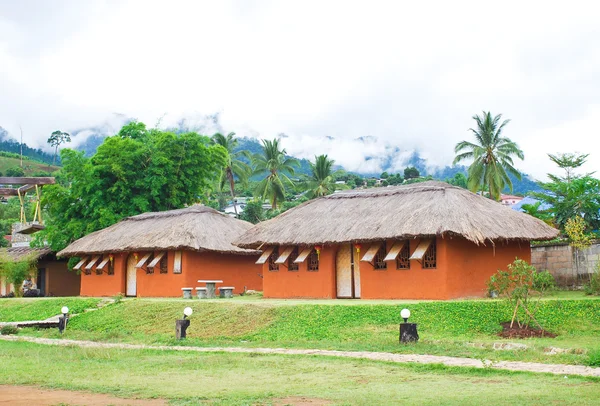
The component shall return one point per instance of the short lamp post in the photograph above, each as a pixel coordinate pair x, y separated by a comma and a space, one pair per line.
408, 331
182, 325
63, 320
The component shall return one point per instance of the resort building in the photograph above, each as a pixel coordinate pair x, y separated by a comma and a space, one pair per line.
158, 254
425, 240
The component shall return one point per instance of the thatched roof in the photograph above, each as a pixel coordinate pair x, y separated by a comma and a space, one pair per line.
421, 209
197, 228
20, 253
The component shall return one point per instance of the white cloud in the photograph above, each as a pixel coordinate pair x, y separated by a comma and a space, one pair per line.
409, 74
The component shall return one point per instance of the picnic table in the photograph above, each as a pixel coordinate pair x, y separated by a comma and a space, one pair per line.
211, 287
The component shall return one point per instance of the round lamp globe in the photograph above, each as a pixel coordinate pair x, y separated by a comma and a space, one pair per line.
188, 311
405, 313
64, 310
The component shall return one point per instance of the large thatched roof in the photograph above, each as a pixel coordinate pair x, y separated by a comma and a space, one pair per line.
420, 209
197, 228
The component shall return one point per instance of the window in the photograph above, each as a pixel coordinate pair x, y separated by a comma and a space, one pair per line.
378, 261
177, 262
111, 267
313, 261
164, 267
272, 258
402, 260
429, 259
291, 265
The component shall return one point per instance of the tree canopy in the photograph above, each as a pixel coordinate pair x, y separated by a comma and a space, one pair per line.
135, 171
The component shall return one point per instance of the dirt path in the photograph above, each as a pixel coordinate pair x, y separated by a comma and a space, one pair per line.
31, 395
558, 369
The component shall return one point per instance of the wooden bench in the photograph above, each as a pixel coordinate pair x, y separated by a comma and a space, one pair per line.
226, 291
187, 293
201, 292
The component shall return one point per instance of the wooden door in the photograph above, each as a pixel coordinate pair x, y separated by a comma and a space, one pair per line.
131, 276
343, 268
3, 286
355, 273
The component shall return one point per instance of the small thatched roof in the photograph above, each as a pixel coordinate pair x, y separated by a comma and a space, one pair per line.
20, 253
197, 228
421, 209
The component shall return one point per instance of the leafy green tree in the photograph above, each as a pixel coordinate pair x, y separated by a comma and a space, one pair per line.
234, 167
384, 175
273, 163
253, 212
459, 179
492, 155
572, 195
16, 271
535, 211
150, 170
411, 172
56, 138
321, 181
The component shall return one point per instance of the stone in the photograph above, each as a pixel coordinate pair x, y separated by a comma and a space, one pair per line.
509, 346
555, 350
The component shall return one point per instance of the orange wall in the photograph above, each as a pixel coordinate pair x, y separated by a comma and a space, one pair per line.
59, 280
302, 283
413, 283
234, 270
105, 285
462, 270
471, 266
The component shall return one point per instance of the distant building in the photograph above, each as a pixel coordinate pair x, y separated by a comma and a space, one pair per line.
509, 200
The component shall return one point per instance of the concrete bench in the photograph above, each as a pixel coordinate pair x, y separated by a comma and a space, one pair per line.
187, 293
226, 291
201, 293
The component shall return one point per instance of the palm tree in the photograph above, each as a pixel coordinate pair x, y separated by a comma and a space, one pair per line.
273, 161
234, 167
321, 181
492, 156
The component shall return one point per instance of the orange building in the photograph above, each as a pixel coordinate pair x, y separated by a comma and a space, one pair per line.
157, 254
426, 240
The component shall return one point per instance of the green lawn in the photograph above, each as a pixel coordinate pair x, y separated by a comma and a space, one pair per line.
244, 379
457, 328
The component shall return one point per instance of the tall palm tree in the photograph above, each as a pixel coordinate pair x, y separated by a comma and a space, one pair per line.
276, 165
321, 181
492, 156
234, 166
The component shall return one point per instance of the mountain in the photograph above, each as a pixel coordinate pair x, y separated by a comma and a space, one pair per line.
9, 144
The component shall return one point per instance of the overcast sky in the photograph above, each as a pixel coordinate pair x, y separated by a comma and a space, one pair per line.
411, 74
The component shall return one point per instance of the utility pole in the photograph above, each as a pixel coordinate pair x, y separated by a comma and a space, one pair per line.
21, 128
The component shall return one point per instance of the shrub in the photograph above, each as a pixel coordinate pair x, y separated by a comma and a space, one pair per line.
594, 358
118, 298
8, 330
517, 284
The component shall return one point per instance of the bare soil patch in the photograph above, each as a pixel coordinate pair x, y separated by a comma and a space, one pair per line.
523, 332
31, 395
300, 401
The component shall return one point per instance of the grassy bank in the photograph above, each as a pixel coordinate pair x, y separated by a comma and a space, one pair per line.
187, 378
460, 328
42, 308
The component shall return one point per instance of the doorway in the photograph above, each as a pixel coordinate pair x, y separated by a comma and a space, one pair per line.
131, 276
347, 273
41, 280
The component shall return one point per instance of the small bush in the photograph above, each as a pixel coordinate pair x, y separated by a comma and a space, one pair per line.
118, 298
594, 358
593, 287
8, 330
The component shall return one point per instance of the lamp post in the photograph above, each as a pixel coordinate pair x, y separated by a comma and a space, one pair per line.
63, 320
182, 325
408, 331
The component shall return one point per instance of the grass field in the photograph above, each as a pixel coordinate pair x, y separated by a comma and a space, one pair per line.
458, 328
30, 167
245, 379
